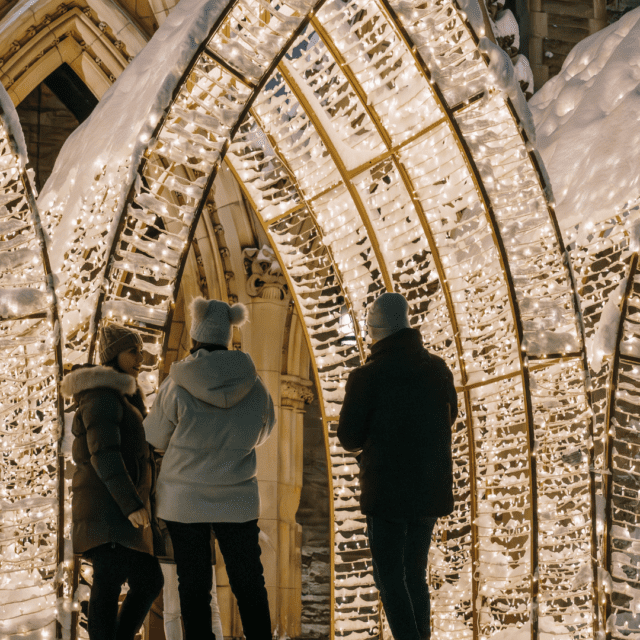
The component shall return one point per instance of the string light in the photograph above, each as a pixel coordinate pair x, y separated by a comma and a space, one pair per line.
29, 404
399, 191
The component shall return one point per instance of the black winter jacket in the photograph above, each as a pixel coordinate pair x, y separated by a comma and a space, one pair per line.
396, 411
113, 473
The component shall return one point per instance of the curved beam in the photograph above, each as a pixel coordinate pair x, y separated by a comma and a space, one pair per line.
504, 262
175, 111
303, 205
305, 314
565, 305
297, 92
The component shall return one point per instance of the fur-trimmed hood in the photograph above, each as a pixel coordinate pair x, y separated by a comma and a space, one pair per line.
95, 377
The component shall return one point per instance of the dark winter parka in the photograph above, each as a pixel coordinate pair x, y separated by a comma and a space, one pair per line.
113, 470
396, 411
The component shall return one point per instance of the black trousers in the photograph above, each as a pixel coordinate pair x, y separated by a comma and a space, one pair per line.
241, 552
113, 565
399, 552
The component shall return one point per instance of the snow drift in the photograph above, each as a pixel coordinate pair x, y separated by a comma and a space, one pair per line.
587, 124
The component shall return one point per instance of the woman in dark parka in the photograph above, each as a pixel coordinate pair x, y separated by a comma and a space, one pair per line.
111, 486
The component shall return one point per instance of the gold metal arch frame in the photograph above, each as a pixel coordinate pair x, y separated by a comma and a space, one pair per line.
379, 154
31, 479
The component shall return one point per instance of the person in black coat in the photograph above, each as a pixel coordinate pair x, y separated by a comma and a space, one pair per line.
397, 412
111, 486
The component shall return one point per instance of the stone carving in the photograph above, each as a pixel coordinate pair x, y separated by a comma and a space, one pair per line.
294, 391
264, 275
25, 40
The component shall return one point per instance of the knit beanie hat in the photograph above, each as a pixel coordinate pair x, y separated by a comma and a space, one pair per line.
388, 314
114, 338
212, 320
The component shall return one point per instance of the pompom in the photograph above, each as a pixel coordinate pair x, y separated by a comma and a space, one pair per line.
199, 309
238, 314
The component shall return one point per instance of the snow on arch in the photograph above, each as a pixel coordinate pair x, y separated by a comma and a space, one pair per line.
31, 504
399, 161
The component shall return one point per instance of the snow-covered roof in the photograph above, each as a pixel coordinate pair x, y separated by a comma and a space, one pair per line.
588, 127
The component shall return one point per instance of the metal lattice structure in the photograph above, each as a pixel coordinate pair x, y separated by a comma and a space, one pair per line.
605, 260
375, 147
31, 483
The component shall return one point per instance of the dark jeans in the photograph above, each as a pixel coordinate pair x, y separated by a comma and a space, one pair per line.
241, 552
113, 565
400, 551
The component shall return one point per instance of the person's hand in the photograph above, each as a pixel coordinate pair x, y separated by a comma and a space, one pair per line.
139, 518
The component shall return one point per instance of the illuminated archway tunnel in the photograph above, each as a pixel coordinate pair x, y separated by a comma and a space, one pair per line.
379, 147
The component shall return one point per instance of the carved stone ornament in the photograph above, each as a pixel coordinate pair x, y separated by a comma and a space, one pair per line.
296, 391
264, 275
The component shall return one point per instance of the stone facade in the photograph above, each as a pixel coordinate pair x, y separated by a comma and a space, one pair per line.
314, 516
46, 124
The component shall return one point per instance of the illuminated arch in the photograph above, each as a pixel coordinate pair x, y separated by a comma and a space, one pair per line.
31, 481
621, 451
384, 157
605, 260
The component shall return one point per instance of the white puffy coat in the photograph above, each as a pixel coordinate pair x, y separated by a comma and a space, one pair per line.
210, 414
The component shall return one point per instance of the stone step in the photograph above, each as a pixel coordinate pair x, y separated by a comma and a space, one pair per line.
568, 22
575, 9
565, 34
559, 49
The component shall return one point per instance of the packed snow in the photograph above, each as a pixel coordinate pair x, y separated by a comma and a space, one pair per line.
507, 77
10, 117
587, 125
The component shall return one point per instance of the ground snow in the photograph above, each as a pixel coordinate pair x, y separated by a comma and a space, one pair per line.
587, 124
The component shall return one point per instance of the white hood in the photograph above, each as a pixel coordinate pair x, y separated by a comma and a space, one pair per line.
219, 378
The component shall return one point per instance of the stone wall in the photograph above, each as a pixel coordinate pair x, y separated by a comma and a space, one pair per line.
46, 124
314, 516
617, 8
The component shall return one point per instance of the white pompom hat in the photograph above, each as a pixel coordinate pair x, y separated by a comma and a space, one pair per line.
212, 320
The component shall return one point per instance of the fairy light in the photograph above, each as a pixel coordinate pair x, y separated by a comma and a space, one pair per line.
29, 374
449, 208
439, 182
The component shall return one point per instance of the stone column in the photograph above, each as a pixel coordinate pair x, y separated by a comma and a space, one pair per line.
295, 394
280, 458
539, 31
262, 338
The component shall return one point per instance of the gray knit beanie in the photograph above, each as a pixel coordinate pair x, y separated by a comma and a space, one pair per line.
114, 339
212, 320
388, 314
